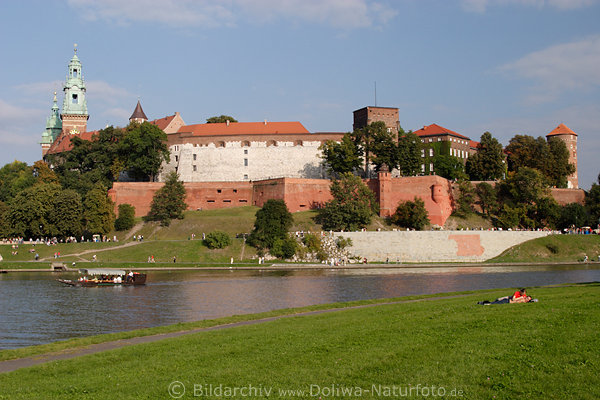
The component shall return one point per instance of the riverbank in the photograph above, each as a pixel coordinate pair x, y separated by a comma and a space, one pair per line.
297, 266
451, 343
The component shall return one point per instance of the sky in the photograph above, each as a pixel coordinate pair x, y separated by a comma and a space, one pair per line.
504, 66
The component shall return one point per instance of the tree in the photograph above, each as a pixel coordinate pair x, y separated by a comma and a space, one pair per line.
466, 199
592, 203
29, 209
411, 214
341, 157
572, 215
65, 217
42, 173
409, 153
272, 222
352, 206
98, 215
487, 199
449, 167
367, 139
144, 148
524, 187
488, 162
168, 202
557, 167
221, 119
383, 146
126, 219
217, 240
284, 248
14, 178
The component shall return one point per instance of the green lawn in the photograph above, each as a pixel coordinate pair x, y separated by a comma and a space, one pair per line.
568, 248
544, 350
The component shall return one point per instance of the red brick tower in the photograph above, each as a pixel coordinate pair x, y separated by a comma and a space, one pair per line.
565, 134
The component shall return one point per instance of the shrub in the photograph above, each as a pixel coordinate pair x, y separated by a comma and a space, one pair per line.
217, 240
126, 218
284, 248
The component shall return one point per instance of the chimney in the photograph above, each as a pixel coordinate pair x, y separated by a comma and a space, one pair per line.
227, 122
265, 121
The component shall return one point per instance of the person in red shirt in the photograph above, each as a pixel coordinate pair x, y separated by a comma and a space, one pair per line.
520, 296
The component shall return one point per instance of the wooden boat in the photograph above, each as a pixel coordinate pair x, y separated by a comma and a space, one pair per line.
106, 277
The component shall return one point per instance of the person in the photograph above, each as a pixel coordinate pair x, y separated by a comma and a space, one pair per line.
520, 296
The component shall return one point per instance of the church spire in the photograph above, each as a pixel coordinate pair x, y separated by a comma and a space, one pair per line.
53, 127
138, 114
74, 111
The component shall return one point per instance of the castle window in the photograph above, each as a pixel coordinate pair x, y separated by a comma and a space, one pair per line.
226, 201
245, 176
431, 167
271, 143
243, 201
422, 167
74, 98
245, 162
194, 157
220, 144
176, 148
75, 73
234, 190
194, 168
422, 152
176, 158
245, 151
298, 143
245, 143
219, 190
430, 152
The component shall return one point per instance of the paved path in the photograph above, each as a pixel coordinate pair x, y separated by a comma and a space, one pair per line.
11, 365
128, 244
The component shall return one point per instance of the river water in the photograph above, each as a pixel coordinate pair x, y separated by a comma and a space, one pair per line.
36, 309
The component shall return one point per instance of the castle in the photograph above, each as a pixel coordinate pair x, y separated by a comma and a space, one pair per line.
242, 163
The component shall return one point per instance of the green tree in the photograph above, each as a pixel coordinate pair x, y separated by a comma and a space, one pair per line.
5, 230
557, 167
42, 173
488, 162
449, 167
546, 213
341, 157
284, 248
486, 198
126, 218
572, 215
14, 178
98, 215
29, 210
352, 206
65, 216
217, 240
145, 148
592, 203
168, 202
524, 187
466, 199
368, 139
221, 119
272, 222
411, 215
409, 153
384, 146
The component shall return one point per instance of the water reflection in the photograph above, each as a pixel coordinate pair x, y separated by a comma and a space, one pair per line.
34, 308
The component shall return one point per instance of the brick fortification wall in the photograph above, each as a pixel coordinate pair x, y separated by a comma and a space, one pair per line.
566, 196
435, 246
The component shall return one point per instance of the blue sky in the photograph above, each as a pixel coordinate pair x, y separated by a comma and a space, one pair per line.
505, 66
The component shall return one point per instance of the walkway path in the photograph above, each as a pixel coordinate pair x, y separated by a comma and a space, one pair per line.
11, 365
128, 244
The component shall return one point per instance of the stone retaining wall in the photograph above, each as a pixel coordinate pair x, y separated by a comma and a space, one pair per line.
435, 246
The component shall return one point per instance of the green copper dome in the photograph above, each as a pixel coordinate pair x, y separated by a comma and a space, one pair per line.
53, 125
74, 88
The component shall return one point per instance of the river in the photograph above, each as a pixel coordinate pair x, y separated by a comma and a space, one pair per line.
36, 309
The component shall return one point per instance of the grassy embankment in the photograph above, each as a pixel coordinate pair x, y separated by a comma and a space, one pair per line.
555, 248
163, 242
544, 350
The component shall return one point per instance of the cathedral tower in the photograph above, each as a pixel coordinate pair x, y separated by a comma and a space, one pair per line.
565, 134
74, 111
53, 128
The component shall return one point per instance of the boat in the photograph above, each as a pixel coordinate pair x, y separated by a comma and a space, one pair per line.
106, 277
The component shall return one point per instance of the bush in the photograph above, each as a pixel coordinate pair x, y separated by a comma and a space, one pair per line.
284, 248
217, 240
411, 214
312, 242
126, 218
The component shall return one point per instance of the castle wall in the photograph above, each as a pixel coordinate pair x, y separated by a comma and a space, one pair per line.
245, 161
435, 246
566, 196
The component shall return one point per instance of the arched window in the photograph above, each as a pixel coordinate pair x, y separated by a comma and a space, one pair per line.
271, 143
220, 144
245, 143
298, 143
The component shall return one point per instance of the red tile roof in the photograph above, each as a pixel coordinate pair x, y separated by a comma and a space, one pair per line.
435, 129
244, 128
162, 123
473, 144
562, 129
63, 142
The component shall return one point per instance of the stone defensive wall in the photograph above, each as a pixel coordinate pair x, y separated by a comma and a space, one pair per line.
435, 246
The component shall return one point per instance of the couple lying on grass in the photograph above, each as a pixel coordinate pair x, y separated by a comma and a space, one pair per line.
520, 296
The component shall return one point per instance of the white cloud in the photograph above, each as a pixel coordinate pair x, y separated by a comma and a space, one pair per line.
558, 69
346, 14
481, 6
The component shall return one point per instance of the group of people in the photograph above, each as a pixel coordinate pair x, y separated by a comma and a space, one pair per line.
520, 296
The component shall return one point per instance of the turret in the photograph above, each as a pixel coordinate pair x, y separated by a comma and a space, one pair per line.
138, 114
565, 134
53, 128
74, 112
